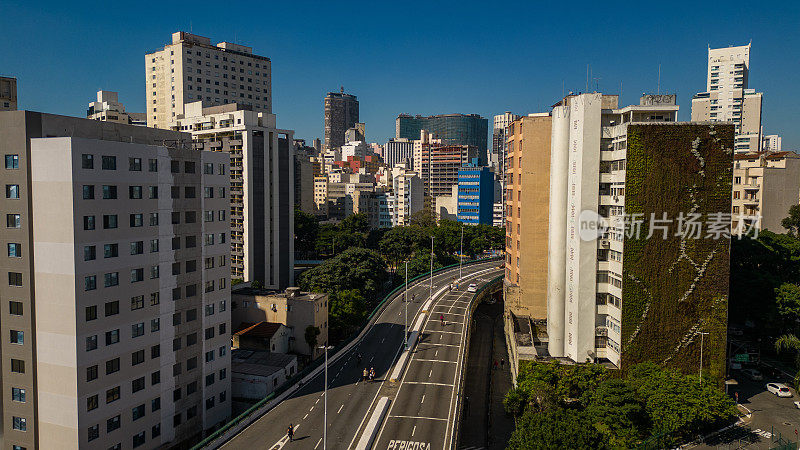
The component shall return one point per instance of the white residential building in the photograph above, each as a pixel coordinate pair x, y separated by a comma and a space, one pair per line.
261, 187
408, 191
108, 108
191, 69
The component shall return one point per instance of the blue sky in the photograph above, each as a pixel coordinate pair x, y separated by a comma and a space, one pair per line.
410, 57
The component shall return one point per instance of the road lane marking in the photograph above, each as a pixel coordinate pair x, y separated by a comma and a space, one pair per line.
418, 417
318, 442
413, 431
440, 331
430, 373
312, 408
423, 399
340, 409
304, 417
427, 383
437, 353
436, 360
440, 345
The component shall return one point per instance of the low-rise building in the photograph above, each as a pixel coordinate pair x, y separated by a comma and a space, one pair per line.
292, 308
256, 374
268, 336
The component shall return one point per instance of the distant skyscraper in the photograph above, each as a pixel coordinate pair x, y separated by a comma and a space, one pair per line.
341, 114
191, 69
727, 98
8, 94
452, 129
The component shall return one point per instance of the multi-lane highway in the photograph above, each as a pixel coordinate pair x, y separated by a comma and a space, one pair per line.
349, 397
424, 401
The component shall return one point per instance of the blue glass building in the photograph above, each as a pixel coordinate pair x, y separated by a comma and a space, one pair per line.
452, 129
475, 194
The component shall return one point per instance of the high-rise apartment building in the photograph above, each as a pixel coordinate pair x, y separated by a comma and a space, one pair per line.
765, 186
771, 143
451, 129
8, 94
116, 288
638, 234
108, 108
191, 69
728, 99
341, 114
399, 151
475, 195
497, 159
438, 166
261, 187
409, 194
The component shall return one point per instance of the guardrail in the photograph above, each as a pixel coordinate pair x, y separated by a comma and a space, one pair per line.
257, 408
467, 335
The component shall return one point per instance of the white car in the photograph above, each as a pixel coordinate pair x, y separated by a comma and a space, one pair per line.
779, 389
753, 374
472, 288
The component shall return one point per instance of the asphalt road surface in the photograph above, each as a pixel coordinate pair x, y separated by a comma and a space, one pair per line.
423, 408
349, 397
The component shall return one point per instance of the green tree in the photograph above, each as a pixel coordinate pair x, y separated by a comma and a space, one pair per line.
618, 414
397, 245
306, 229
787, 297
348, 308
355, 268
792, 222
311, 336
555, 429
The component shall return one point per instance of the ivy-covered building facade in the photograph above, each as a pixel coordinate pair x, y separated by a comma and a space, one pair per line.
638, 259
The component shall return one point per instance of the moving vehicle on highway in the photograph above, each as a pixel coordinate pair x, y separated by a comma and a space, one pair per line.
472, 288
779, 389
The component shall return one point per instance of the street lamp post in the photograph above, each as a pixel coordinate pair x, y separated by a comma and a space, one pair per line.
461, 253
325, 415
430, 290
405, 317
702, 336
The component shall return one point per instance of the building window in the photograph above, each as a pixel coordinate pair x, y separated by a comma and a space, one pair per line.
112, 308
109, 192
153, 192
137, 247
112, 366
15, 308
152, 165
14, 279
14, 250
90, 283
111, 279
88, 223
137, 275
91, 403
137, 220
12, 191
109, 221
110, 250
135, 164
113, 424
91, 313
93, 432
17, 337
137, 357
137, 412
17, 366
109, 162
155, 325
12, 161
134, 192
18, 395
89, 253
112, 394
112, 337
13, 221
91, 373
87, 161
91, 343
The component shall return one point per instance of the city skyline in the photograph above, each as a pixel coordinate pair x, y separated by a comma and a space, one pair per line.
434, 72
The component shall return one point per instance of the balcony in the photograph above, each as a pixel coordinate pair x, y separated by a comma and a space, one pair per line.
601, 331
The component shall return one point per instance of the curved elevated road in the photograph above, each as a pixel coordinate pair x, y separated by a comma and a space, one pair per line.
349, 398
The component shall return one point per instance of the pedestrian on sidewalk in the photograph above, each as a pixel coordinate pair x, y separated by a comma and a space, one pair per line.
502, 363
495, 364
364, 377
372, 374
290, 432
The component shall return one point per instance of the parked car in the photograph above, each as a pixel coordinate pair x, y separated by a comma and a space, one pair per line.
472, 288
779, 389
753, 374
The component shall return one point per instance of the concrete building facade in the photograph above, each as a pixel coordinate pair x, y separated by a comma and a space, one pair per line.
341, 114
108, 108
728, 99
135, 351
399, 151
8, 94
765, 186
262, 186
191, 69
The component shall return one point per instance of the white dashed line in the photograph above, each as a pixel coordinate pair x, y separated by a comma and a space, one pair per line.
340, 409
413, 430
318, 442
423, 399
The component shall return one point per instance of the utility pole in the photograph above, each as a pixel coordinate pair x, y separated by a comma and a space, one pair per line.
430, 292
405, 319
702, 336
325, 415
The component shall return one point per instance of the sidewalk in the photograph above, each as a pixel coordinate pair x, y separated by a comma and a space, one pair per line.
501, 425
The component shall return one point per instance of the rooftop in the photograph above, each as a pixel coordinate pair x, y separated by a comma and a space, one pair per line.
262, 363
263, 330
